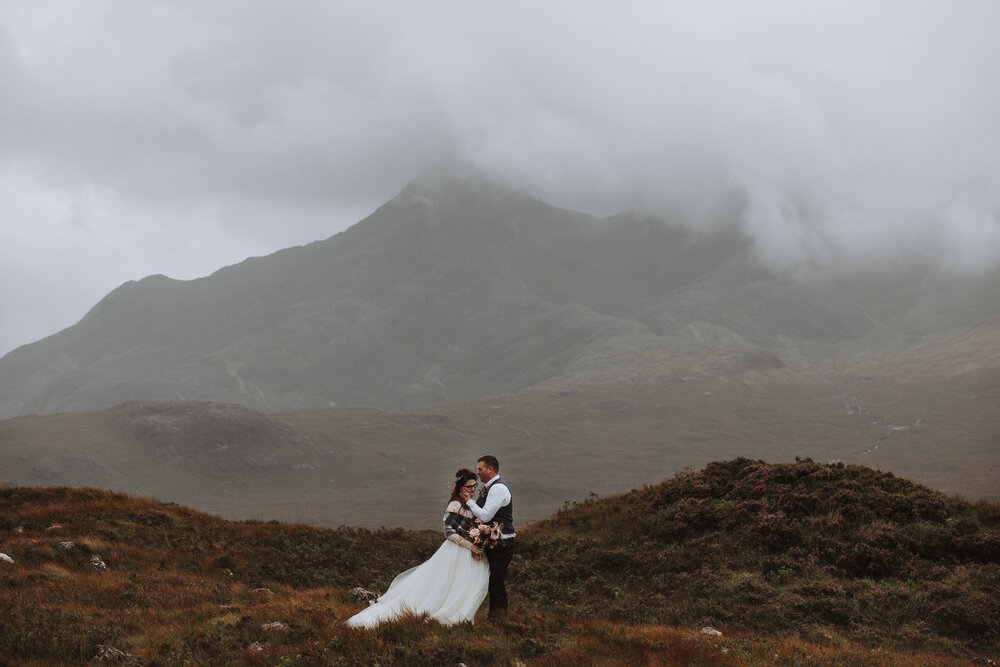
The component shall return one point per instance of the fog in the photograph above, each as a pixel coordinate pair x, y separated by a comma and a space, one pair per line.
179, 136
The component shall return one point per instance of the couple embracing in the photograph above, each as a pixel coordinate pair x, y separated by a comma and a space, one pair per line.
472, 561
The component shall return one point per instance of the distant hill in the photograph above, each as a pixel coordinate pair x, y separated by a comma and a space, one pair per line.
813, 563
460, 288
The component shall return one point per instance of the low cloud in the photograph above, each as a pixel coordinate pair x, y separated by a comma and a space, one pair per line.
178, 136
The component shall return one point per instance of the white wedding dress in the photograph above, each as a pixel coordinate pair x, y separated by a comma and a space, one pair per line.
449, 587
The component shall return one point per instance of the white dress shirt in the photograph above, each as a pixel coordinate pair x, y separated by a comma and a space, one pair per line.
494, 501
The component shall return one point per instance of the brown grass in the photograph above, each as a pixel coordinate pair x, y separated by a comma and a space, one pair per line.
186, 588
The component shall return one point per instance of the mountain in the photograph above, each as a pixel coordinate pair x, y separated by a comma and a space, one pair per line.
460, 288
462, 318
812, 563
455, 288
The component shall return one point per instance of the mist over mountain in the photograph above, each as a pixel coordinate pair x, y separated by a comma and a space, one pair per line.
459, 288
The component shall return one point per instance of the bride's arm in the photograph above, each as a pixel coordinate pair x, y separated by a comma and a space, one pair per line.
461, 541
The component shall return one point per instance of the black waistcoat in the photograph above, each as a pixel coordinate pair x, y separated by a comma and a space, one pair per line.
504, 515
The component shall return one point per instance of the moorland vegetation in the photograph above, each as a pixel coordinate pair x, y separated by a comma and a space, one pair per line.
794, 563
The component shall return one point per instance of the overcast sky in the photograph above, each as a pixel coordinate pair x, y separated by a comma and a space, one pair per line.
177, 137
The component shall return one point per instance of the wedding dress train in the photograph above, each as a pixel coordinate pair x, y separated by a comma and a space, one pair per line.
449, 587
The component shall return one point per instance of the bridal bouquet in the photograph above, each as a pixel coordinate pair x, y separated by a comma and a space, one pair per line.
485, 536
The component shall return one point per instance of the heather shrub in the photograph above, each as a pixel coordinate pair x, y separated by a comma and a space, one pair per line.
840, 556
798, 545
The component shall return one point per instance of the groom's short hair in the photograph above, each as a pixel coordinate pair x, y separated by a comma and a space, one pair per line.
490, 461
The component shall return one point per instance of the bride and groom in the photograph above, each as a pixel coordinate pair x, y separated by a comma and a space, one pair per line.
450, 586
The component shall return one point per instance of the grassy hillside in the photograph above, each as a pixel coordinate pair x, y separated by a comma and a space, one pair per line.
821, 550
794, 563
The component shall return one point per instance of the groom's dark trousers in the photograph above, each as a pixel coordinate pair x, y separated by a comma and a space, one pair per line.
499, 558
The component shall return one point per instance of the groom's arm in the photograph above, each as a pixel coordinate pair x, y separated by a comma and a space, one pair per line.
497, 498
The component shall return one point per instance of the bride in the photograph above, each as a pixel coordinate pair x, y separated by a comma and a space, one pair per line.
450, 586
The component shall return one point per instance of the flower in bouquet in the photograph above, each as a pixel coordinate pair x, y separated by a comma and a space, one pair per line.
486, 536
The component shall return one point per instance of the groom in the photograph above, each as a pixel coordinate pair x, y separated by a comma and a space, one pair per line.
495, 504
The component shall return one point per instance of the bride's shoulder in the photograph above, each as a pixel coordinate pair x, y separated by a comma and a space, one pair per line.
454, 506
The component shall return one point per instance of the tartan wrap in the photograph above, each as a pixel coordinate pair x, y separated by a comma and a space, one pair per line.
456, 524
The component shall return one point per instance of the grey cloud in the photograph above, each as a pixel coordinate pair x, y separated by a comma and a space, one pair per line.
183, 134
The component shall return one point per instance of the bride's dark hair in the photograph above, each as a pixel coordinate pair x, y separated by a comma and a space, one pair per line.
461, 477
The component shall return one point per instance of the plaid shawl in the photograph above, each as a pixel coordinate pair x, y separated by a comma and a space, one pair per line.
456, 524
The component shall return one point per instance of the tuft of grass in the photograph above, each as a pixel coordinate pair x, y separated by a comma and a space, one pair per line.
94, 545
55, 573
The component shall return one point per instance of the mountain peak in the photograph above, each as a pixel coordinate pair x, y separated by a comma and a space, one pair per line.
462, 184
